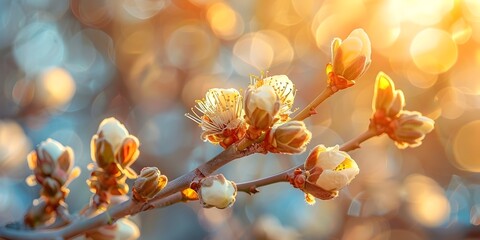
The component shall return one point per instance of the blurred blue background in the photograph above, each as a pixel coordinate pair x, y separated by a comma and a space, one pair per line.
66, 65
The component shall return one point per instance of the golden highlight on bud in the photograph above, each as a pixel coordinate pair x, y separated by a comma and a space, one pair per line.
217, 191
350, 59
220, 116
327, 171
406, 128
291, 137
410, 128
387, 101
148, 184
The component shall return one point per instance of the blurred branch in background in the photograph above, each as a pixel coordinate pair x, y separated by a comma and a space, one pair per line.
66, 65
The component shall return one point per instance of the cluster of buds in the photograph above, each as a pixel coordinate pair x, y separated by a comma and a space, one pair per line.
226, 118
268, 105
52, 165
113, 150
327, 170
406, 128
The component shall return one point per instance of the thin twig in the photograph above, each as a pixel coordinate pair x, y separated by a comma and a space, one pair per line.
309, 110
251, 186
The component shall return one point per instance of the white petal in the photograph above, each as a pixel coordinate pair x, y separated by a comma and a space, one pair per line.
351, 173
332, 180
330, 159
113, 131
351, 49
366, 45
54, 148
265, 98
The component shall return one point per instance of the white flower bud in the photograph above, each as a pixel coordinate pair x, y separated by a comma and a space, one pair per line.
290, 137
328, 170
350, 59
113, 132
217, 191
113, 148
283, 88
261, 107
52, 159
410, 129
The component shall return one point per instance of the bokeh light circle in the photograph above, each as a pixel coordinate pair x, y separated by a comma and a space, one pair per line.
428, 204
189, 46
433, 51
224, 21
465, 147
54, 88
262, 50
38, 46
451, 102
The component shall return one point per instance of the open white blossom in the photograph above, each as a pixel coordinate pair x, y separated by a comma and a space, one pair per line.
220, 116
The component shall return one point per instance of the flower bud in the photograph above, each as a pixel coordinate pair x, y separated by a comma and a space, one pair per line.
217, 191
328, 170
113, 132
51, 159
290, 137
410, 128
261, 107
387, 102
148, 184
350, 59
113, 145
285, 90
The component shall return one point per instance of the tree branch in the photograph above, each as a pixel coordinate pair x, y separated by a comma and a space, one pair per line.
309, 110
130, 207
251, 186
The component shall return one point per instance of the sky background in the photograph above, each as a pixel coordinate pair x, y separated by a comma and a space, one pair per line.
67, 65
